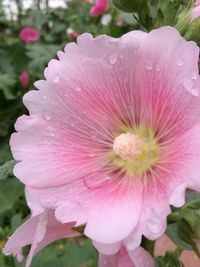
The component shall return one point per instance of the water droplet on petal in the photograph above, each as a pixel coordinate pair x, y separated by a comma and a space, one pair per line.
52, 134
194, 77
29, 203
195, 91
44, 97
47, 116
180, 62
149, 65
56, 79
78, 88
93, 134
113, 59
153, 227
72, 123
92, 154
158, 67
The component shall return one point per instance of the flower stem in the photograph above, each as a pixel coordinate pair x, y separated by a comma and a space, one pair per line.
172, 218
148, 245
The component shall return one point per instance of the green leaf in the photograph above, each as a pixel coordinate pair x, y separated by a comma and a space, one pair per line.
69, 253
6, 84
10, 190
6, 169
40, 54
128, 5
171, 259
192, 196
172, 233
170, 9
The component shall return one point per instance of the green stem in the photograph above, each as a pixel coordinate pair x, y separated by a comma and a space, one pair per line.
148, 245
172, 218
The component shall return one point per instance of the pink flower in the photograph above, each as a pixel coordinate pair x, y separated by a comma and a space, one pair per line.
136, 258
195, 11
24, 78
112, 139
29, 35
120, 22
39, 231
71, 33
101, 6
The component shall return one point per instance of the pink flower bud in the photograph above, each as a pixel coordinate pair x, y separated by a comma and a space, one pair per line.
71, 33
24, 78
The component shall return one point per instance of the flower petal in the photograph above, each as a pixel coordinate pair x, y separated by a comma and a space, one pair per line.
39, 231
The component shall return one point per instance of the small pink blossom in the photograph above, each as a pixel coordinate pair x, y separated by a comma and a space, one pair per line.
39, 231
136, 258
101, 6
24, 78
120, 22
144, 86
72, 34
195, 11
29, 34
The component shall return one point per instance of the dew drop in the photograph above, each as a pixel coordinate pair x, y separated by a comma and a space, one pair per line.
72, 123
29, 203
149, 65
93, 134
180, 62
113, 59
5, 253
195, 91
92, 154
45, 141
52, 134
77, 88
44, 97
158, 67
47, 116
153, 227
56, 79
194, 77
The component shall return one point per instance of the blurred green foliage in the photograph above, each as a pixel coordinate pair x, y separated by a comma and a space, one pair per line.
15, 57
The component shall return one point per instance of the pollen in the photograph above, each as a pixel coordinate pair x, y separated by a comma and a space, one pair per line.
135, 150
128, 146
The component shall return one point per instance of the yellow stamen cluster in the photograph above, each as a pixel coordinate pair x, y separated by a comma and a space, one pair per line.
135, 150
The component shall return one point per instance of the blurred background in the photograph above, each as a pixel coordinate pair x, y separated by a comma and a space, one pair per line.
31, 33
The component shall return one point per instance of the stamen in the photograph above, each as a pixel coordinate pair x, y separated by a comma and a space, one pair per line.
128, 146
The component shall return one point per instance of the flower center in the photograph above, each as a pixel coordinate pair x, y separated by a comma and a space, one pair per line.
128, 146
135, 151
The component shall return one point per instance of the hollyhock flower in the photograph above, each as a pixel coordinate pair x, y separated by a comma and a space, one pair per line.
112, 139
195, 13
29, 35
136, 258
39, 231
24, 78
101, 6
72, 34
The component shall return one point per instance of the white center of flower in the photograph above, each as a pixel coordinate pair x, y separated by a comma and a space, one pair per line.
128, 146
